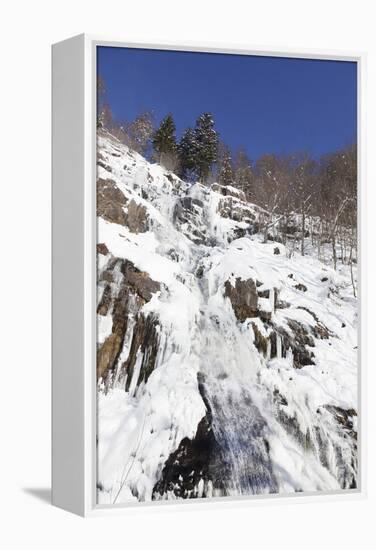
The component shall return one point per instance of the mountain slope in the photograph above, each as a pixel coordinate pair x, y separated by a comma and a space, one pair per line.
224, 367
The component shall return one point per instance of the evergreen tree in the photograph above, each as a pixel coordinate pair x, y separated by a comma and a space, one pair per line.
206, 141
226, 171
188, 153
164, 140
164, 143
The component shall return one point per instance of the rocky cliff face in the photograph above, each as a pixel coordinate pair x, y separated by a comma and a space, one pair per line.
224, 367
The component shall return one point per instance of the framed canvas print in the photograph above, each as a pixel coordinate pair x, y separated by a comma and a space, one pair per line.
206, 275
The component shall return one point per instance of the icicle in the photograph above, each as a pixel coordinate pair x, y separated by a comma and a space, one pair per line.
271, 299
209, 489
200, 488
268, 349
136, 373
279, 347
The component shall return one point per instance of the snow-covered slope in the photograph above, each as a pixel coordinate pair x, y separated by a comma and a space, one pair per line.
224, 367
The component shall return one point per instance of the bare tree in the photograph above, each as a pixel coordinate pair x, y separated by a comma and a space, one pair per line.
138, 133
268, 192
225, 169
243, 174
303, 181
339, 200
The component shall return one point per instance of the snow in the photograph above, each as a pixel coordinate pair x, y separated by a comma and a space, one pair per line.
140, 249
140, 428
104, 327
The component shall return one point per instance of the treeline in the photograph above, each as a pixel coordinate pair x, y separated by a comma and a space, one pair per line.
309, 202
198, 155
304, 200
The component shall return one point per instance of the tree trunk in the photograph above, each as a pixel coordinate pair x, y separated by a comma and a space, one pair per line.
303, 233
334, 251
319, 241
266, 234
351, 271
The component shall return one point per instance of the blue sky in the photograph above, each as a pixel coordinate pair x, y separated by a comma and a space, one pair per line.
266, 104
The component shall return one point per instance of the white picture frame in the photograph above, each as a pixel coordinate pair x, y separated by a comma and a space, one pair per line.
74, 274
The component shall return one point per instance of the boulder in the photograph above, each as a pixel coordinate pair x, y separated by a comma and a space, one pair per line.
228, 191
236, 210
300, 339
139, 281
110, 202
113, 206
102, 249
136, 217
243, 297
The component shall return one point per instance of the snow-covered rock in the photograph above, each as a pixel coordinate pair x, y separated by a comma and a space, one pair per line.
224, 368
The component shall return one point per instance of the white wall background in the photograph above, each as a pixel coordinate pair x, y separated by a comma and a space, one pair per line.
27, 30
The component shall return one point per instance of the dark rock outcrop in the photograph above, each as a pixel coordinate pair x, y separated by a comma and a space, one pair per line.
134, 290
319, 329
188, 216
293, 428
205, 464
109, 351
236, 210
139, 281
136, 217
114, 207
344, 417
346, 454
110, 202
243, 297
102, 249
102, 162
145, 341
227, 191
299, 340
105, 302
188, 466
260, 341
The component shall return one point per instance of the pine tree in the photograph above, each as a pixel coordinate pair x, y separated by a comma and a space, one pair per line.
206, 140
188, 153
164, 143
226, 172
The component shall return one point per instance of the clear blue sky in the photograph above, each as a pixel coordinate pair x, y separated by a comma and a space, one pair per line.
266, 104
